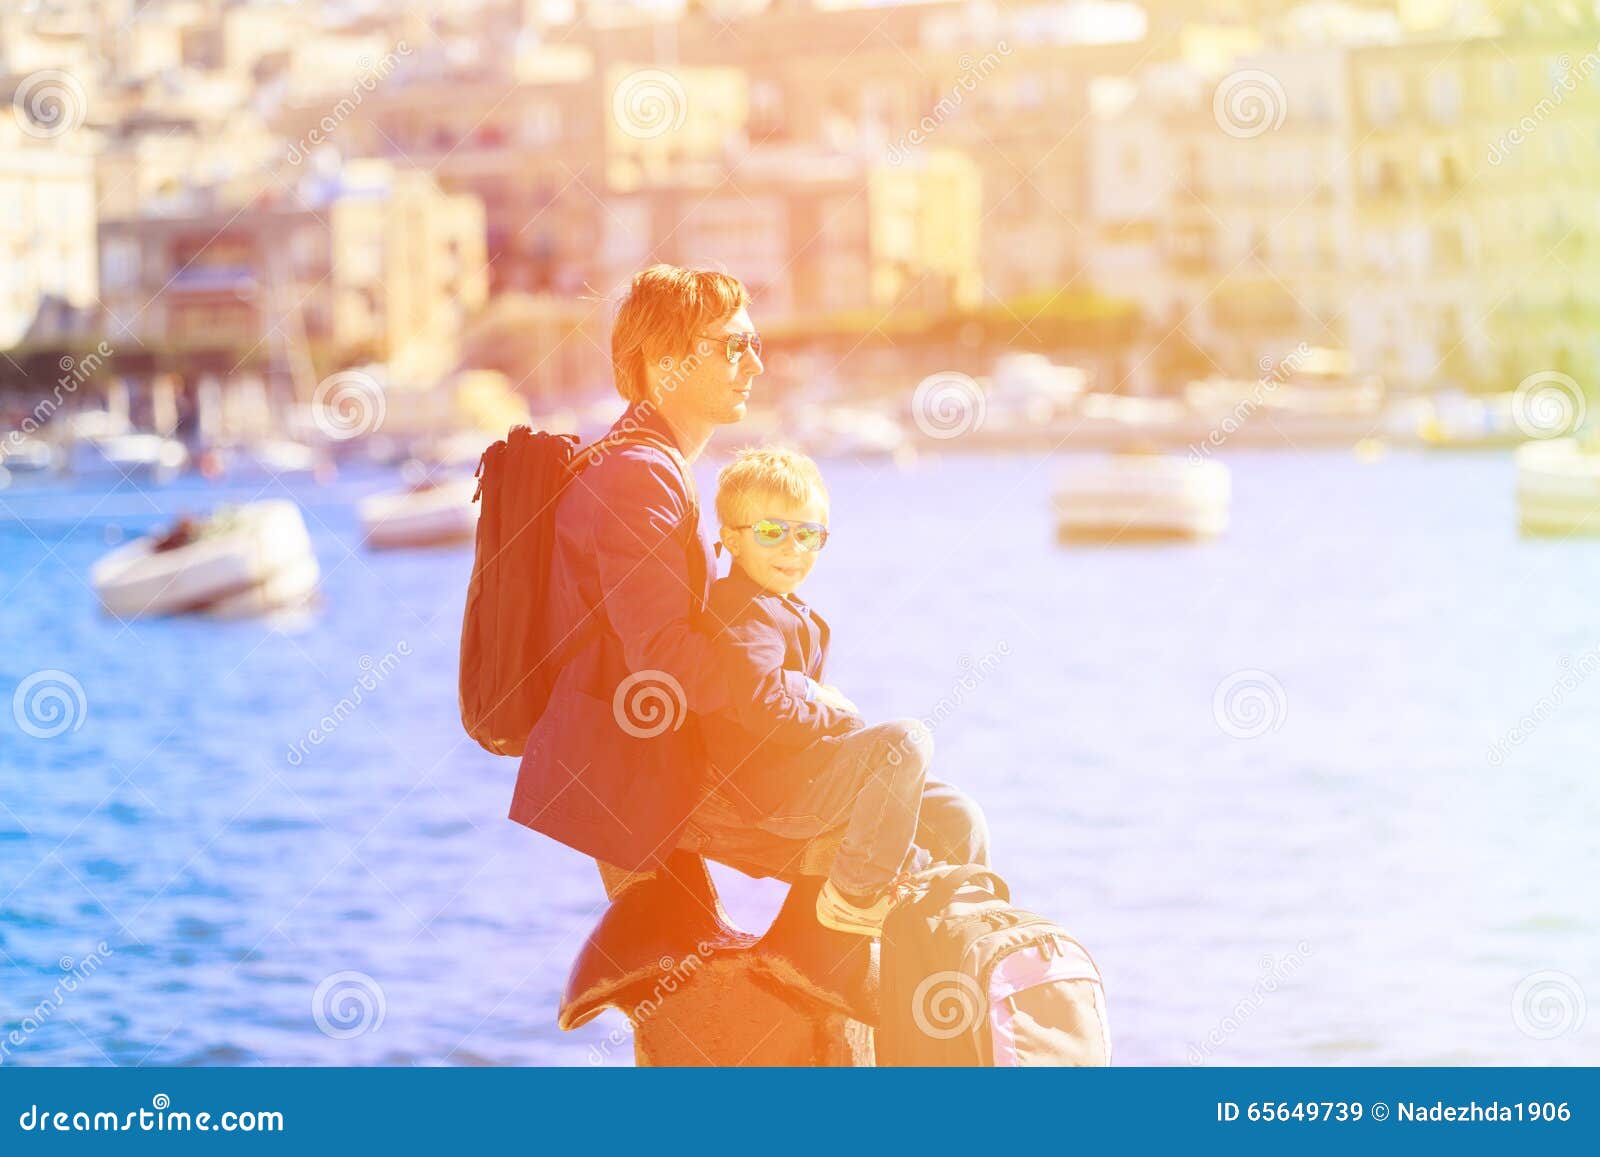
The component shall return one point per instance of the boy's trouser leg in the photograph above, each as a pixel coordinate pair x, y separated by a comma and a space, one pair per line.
952, 826
874, 786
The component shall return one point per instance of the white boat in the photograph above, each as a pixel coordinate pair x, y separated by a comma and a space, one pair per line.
850, 432
1456, 421
268, 458
242, 560
144, 457
27, 456
1142, 498
1558, 487
429, 514
1027, 389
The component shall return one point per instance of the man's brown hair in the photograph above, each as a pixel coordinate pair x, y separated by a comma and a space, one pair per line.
665, 307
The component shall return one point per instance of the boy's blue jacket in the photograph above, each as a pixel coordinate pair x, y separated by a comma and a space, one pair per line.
772, 740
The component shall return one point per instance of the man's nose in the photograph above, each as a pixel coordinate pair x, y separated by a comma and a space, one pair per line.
751, 363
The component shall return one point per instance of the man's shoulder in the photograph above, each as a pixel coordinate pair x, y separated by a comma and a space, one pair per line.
628, 474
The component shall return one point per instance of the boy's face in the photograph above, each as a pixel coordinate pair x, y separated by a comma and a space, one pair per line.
781, 568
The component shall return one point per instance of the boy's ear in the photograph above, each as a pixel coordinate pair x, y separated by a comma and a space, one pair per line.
729, 538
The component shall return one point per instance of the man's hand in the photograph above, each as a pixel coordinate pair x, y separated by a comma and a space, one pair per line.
830, 695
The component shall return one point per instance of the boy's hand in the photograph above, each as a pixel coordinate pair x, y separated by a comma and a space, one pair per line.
835, 698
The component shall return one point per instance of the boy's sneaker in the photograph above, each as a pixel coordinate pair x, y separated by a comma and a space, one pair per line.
838, 913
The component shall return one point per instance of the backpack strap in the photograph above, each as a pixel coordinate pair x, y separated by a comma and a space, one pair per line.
953, 879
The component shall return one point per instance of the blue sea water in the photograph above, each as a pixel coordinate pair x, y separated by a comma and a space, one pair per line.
1258, 778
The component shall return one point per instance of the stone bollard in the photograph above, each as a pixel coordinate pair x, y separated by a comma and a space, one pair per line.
697, 990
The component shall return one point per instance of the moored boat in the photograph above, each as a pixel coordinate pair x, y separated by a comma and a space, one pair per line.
430, 513
1140, 497
1558, 487
241, 560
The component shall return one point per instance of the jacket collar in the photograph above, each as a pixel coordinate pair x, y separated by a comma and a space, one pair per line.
645, 416
746, 586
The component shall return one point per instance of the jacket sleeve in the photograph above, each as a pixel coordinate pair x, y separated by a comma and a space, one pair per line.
635, 501
767, 701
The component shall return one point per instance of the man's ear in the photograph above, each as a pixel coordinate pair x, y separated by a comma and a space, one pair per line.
729, 538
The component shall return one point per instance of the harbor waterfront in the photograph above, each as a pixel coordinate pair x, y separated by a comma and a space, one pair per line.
1318, 791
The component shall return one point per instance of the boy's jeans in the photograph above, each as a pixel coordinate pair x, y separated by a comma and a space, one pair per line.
896, 818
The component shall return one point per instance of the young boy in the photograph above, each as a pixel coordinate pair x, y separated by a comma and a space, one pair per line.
798, 767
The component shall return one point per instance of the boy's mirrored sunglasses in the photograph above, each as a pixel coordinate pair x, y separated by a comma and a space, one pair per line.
808, 536
737, 343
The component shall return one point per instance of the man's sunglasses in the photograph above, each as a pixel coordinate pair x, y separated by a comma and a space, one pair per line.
808, 536
737, 343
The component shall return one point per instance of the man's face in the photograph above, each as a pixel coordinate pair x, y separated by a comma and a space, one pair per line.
705, 385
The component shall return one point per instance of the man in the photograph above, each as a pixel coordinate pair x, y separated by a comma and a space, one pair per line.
615, 767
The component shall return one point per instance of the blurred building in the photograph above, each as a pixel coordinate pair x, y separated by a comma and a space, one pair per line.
360, 266
47, 223
814, 234
1476, 175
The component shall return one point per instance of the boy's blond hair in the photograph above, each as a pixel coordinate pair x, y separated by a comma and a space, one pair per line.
666, 306
766, 472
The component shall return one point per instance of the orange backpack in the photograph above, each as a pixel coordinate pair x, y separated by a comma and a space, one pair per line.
509, 662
